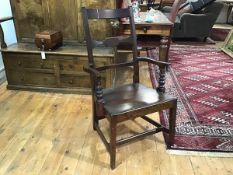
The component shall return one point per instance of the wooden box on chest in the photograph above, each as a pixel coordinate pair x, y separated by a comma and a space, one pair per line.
62, 70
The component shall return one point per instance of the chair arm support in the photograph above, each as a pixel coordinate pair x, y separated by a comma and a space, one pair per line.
6, 19
97, 90
92, 71
149, 60
162, 65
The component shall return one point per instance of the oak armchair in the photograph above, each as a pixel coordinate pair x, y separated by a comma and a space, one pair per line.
187, 25
129, 101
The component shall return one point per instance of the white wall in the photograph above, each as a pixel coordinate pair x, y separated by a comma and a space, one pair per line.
8, 28
222, 18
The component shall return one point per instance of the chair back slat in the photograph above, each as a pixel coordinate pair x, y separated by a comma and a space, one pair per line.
116, 41
113, 41
131, 39
107, 13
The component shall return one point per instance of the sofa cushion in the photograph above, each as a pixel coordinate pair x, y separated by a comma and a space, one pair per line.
199, 4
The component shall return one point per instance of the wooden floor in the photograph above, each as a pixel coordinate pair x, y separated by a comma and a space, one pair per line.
51, 134
223, 26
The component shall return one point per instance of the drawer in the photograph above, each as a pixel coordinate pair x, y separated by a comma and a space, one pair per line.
18, 61
56, 71
148, 29
72, 65
15, 77
75, 65
75, 81
79, 81
39, 79
30, 78
153, 30
39, 64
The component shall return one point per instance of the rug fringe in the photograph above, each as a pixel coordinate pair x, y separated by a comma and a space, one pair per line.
199, 153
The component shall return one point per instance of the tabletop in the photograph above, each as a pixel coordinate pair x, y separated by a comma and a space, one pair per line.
158, 19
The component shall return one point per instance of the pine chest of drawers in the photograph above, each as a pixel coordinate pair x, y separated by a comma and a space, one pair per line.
61, 71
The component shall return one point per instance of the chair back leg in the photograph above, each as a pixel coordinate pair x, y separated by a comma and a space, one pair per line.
112, 149
172, 124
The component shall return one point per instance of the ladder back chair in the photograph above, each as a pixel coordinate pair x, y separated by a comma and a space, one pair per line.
128, 101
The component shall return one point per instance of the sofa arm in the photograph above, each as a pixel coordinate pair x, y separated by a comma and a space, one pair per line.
196, 25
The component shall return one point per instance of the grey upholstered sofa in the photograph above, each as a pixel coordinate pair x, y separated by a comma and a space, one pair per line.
198, 24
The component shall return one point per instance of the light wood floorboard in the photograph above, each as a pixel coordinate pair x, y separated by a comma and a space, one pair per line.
51, 133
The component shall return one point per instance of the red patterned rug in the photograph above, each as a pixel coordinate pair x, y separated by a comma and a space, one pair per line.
202, 80
218, 34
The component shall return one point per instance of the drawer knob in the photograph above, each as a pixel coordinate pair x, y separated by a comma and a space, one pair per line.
19, 63
71, 81
41, 65
71, 66
145, 29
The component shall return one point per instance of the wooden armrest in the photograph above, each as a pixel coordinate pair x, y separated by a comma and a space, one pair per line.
159, 63
6, 19
114, 66
92, 71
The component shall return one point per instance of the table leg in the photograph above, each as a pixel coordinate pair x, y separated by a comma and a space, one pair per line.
163, 48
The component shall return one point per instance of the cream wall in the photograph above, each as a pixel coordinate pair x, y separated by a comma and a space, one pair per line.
8, 28
223, 15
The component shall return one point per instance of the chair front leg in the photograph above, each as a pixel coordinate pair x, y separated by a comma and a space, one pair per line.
172, 124
95, 120
112, 150
98, 107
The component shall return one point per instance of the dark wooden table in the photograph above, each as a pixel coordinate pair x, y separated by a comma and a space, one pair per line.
160, 26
